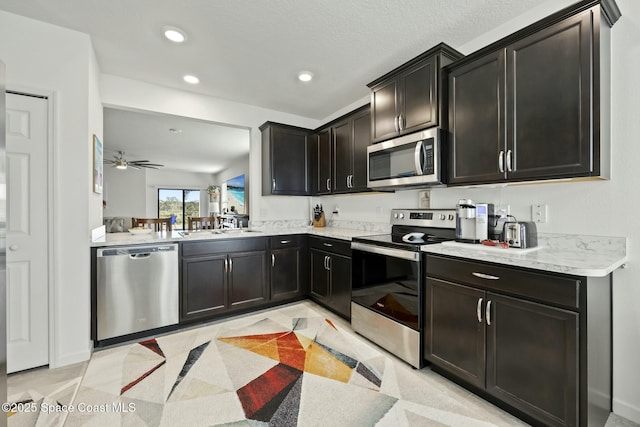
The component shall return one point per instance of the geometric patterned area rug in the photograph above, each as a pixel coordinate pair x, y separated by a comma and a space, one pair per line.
293, 366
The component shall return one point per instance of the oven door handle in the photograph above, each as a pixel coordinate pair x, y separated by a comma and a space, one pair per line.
381, 250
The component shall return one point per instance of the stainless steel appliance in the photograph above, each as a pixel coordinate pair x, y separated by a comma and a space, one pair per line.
407, 161
521, 234
388, 280
137, 289
472, 221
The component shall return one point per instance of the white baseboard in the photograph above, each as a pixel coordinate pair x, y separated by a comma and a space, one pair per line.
626, 410
70, 359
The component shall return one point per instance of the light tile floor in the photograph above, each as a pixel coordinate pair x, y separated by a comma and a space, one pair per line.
55, 387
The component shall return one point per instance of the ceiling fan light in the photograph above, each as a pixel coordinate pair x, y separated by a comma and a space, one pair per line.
121, 166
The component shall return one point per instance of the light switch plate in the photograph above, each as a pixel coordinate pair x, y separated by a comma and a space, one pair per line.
539, 213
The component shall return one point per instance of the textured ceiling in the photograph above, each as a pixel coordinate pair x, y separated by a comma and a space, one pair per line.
250, 51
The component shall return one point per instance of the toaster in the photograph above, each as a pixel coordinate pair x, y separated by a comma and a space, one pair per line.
520, 234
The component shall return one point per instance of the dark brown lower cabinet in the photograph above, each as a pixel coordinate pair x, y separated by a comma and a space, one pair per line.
331, 274
222, 276
519, 338
288, 272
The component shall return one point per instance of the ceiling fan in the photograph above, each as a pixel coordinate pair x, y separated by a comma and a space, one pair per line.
120, 162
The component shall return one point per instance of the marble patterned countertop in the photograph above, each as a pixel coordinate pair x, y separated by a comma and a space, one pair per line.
578, 255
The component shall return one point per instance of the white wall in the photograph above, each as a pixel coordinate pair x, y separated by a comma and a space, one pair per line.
125, 193
42, 57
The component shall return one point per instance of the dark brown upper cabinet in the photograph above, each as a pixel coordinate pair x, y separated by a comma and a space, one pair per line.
339, 154
285, 160
408, 99
528, 107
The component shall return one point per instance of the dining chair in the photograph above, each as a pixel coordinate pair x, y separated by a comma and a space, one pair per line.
201, 223
157, 224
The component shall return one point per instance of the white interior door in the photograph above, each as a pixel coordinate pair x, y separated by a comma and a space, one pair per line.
27, 242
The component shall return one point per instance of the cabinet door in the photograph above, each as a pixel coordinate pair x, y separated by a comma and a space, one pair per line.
319, 275
532, 359
342, 155
455, 330
247, 274
361, 140
477, 121
550, 79
203, 286
418, 100
384, 115
324, 162
288, 162
340, 285
286, 272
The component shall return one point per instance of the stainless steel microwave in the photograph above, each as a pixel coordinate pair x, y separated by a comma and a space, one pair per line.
408, 161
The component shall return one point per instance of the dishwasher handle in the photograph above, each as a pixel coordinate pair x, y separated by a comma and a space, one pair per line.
136, 251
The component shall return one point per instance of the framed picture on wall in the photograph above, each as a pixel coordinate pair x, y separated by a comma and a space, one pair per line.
98, 176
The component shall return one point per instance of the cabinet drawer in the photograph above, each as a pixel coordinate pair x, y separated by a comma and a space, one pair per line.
341, 247
223, 246
549, 288
286, 241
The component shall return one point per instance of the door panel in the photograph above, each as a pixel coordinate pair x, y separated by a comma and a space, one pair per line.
319, 275
383, 110
342, 160
455, 333
419, 97
550, 81
476, 120
27, 242
247, 278
203, 286
532, 359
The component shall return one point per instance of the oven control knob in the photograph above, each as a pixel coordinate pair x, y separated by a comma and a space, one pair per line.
443, 217
451, 217
401, 215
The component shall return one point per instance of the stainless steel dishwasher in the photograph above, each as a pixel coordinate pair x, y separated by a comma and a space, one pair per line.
137, 289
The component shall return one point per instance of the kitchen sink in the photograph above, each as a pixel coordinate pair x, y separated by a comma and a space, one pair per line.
239, 230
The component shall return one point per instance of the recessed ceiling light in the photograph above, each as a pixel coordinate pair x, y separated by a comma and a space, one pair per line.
174, 34
191, 79
305, 76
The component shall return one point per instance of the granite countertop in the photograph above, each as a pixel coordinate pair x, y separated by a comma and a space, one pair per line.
578, 255
126, 238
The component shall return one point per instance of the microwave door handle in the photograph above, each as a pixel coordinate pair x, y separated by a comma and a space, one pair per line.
418, 157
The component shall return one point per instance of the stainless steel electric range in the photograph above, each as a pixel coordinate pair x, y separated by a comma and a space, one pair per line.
388, 280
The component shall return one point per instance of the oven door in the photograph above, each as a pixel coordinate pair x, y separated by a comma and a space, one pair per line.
387, 282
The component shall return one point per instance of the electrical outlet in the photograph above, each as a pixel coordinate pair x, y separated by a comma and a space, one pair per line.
539, 213
424, 199
336, 210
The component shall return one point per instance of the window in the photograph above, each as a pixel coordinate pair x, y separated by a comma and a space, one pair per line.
179, 204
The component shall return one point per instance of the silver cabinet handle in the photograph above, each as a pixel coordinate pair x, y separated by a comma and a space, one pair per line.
509, 161
350, 181
485, 276
230, 265
501, 161
13, 247
328, 244
273, 260
400, 124
226, 265
395, 123
329, 184
487, 313
273, 184
328, 263
284, 242
347, 181
326, 258
479, 310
